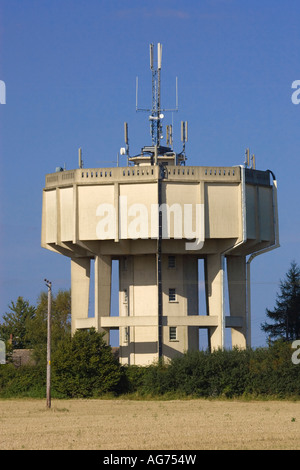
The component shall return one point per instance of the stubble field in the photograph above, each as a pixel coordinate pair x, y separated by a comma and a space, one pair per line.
149, 425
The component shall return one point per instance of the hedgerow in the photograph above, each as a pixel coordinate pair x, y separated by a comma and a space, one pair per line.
84, 366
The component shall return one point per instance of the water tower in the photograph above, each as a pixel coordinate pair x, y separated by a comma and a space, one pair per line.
158, 217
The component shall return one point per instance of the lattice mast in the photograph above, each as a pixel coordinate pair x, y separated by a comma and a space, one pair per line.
156, 112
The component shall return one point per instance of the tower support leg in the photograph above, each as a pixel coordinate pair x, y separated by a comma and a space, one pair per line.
214, 299
102, 290
237, 289
80, 288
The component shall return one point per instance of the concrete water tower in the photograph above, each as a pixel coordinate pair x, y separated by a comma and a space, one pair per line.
158, 217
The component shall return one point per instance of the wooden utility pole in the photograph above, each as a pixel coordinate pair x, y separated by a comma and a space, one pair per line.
48, 386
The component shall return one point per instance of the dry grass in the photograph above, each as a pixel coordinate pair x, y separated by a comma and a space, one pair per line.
149, 425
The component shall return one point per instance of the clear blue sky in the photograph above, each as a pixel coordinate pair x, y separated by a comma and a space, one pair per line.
70, 66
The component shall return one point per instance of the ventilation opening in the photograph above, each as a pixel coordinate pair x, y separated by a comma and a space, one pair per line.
173, 333
171, 262
172, 295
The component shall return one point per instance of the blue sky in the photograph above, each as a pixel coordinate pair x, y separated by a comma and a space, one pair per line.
70, 69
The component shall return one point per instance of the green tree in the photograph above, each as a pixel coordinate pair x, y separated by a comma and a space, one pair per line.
286, 314
16, 323
84, 366
60, 322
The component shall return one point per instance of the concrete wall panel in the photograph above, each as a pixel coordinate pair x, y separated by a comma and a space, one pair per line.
66, 214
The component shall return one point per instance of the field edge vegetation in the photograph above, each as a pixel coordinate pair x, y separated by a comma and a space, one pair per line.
84, 367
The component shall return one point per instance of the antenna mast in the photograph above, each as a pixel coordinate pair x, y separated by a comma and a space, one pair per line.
156, 112
156, 116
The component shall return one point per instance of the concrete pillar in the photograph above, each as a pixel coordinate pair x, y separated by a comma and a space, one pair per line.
102, 290
214, 299
80, 289
236, 274
125, 299
191, 295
